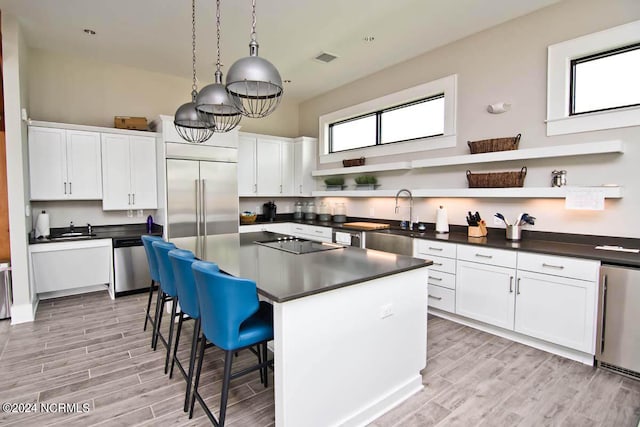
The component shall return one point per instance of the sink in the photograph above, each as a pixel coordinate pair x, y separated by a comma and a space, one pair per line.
388, 242
71, 235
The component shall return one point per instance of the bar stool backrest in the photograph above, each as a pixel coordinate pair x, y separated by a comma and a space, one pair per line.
181, 260
147, 241
167, 282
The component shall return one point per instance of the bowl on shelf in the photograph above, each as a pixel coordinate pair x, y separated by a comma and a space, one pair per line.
248, 218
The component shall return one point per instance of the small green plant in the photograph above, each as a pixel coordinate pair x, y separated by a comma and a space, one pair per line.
366, 179
334, 180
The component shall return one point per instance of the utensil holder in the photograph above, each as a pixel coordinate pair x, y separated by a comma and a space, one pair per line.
513, 232
478, 231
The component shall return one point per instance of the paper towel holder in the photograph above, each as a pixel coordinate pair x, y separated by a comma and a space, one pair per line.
498, 108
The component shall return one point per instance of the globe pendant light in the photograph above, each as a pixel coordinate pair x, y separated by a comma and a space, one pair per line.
187, 121
213, 102
253, 82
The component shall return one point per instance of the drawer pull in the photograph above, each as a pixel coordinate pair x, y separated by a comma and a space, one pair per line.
435, 249
435, 298
518, 287
484, 256
318, 231
559, 267
510, 284
439, 279
437, 263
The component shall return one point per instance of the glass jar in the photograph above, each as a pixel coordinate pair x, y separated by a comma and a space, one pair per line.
297, 212
324, 212
339, 212
310, 211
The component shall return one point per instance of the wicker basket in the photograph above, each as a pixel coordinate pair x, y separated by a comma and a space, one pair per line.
353, 162
497, 179
495, 144
248, 219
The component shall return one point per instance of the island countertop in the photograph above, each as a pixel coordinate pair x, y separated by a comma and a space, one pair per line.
283, 276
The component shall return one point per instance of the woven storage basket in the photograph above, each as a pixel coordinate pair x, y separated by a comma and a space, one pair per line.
353, 162
495, 144
497, 179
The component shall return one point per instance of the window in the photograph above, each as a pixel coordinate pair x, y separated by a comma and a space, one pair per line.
592, 81
606, 80
416, 119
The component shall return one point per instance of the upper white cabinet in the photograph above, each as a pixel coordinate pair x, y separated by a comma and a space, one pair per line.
64, 164
265, 166
129, 172
305, 154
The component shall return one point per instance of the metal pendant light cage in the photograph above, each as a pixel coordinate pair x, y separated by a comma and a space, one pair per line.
213, 104
253, 82
187, 121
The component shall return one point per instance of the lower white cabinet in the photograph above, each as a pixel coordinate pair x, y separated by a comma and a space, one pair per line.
71, 265
441, 298
486, 293
276, 227
312, 232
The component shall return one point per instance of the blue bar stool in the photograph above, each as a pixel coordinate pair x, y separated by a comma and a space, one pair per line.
167, 293
232, 319
181, 261
155, 277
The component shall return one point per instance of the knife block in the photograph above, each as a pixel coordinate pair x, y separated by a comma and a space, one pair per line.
478, 231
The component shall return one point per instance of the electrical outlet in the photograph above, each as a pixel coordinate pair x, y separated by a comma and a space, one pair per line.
497, 221
386, 310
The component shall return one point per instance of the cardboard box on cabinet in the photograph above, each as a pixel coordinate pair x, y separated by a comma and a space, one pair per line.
134, 123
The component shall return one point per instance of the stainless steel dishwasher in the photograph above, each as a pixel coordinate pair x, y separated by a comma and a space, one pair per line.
130, 266
618, 342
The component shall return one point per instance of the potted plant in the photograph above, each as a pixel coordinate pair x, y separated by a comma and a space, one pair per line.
366, 182
334, 182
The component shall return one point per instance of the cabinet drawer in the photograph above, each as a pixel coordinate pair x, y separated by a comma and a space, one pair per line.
445, 265
442, 298
487, 255
445, 280
311, 232
582, 269
430, 247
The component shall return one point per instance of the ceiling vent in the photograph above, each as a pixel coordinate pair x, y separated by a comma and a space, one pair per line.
325, 57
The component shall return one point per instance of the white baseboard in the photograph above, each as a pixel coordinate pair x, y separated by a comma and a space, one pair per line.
23, 313
73, 291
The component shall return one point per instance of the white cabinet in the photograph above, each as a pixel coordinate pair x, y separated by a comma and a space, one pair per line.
442, 273
305, 154
64, 164
558, 307
275, 227
129, 172
312, 232
265, 166
68, 266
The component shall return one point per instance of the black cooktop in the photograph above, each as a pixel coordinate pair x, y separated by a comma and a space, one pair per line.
298, 246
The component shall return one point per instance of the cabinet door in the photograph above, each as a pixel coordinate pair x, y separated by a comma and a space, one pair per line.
485, 293
556, 309
144, 186
247, 185
47, 163
116, 172
304, 162
286, 169
268, 167
84, 169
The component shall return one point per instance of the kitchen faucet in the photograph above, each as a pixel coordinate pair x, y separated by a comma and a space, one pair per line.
404, 190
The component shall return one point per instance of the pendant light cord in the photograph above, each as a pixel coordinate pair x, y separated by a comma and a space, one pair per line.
253, 22
218, 32
194, 87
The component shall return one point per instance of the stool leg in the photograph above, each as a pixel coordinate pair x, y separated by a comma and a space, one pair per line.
228, 359
146, 319
192, 361
158, 319
264, 359
259, 363
203, 344
175, 347
174, 304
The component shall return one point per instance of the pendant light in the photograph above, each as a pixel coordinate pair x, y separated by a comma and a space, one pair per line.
213, 103
253, 82
187, 121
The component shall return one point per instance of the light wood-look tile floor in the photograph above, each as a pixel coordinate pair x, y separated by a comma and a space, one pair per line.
90, 350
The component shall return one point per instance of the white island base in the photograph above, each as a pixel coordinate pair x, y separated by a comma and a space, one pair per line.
346, 356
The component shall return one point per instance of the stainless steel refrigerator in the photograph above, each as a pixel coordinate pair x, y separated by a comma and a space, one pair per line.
202, 194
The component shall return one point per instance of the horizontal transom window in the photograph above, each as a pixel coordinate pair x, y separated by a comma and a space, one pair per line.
419, 119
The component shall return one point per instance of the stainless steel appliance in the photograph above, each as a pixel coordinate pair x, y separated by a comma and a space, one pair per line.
131, 271
269, 210
348, 237
618, 342
202, 194
5, 290
298, 246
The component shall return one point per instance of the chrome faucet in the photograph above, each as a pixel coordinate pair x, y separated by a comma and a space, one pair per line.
404, 190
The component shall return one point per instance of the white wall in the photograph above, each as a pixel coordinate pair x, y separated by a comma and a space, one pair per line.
15, 63
505, 63
85, 211
71, 89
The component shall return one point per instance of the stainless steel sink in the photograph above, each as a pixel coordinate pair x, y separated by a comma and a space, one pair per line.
388, 242
71, 235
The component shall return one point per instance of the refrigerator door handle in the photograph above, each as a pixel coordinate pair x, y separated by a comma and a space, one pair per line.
197, 216
604, 313
204, 219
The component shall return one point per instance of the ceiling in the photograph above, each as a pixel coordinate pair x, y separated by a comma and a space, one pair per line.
156, 34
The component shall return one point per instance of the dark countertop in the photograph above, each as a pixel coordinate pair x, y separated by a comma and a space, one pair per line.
283, 276
126, 231
562, 244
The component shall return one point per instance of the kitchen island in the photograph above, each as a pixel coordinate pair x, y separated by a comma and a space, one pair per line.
349, 325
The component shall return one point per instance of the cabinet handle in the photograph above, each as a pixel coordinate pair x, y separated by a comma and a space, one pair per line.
318, 231
439, 279
70, 191
435, 249
300, 188
437, 263
510, 284
559, 267
129, 197
133, 197
280, 188
65, 188
255, 188
518, 286
435, 298
484, 256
